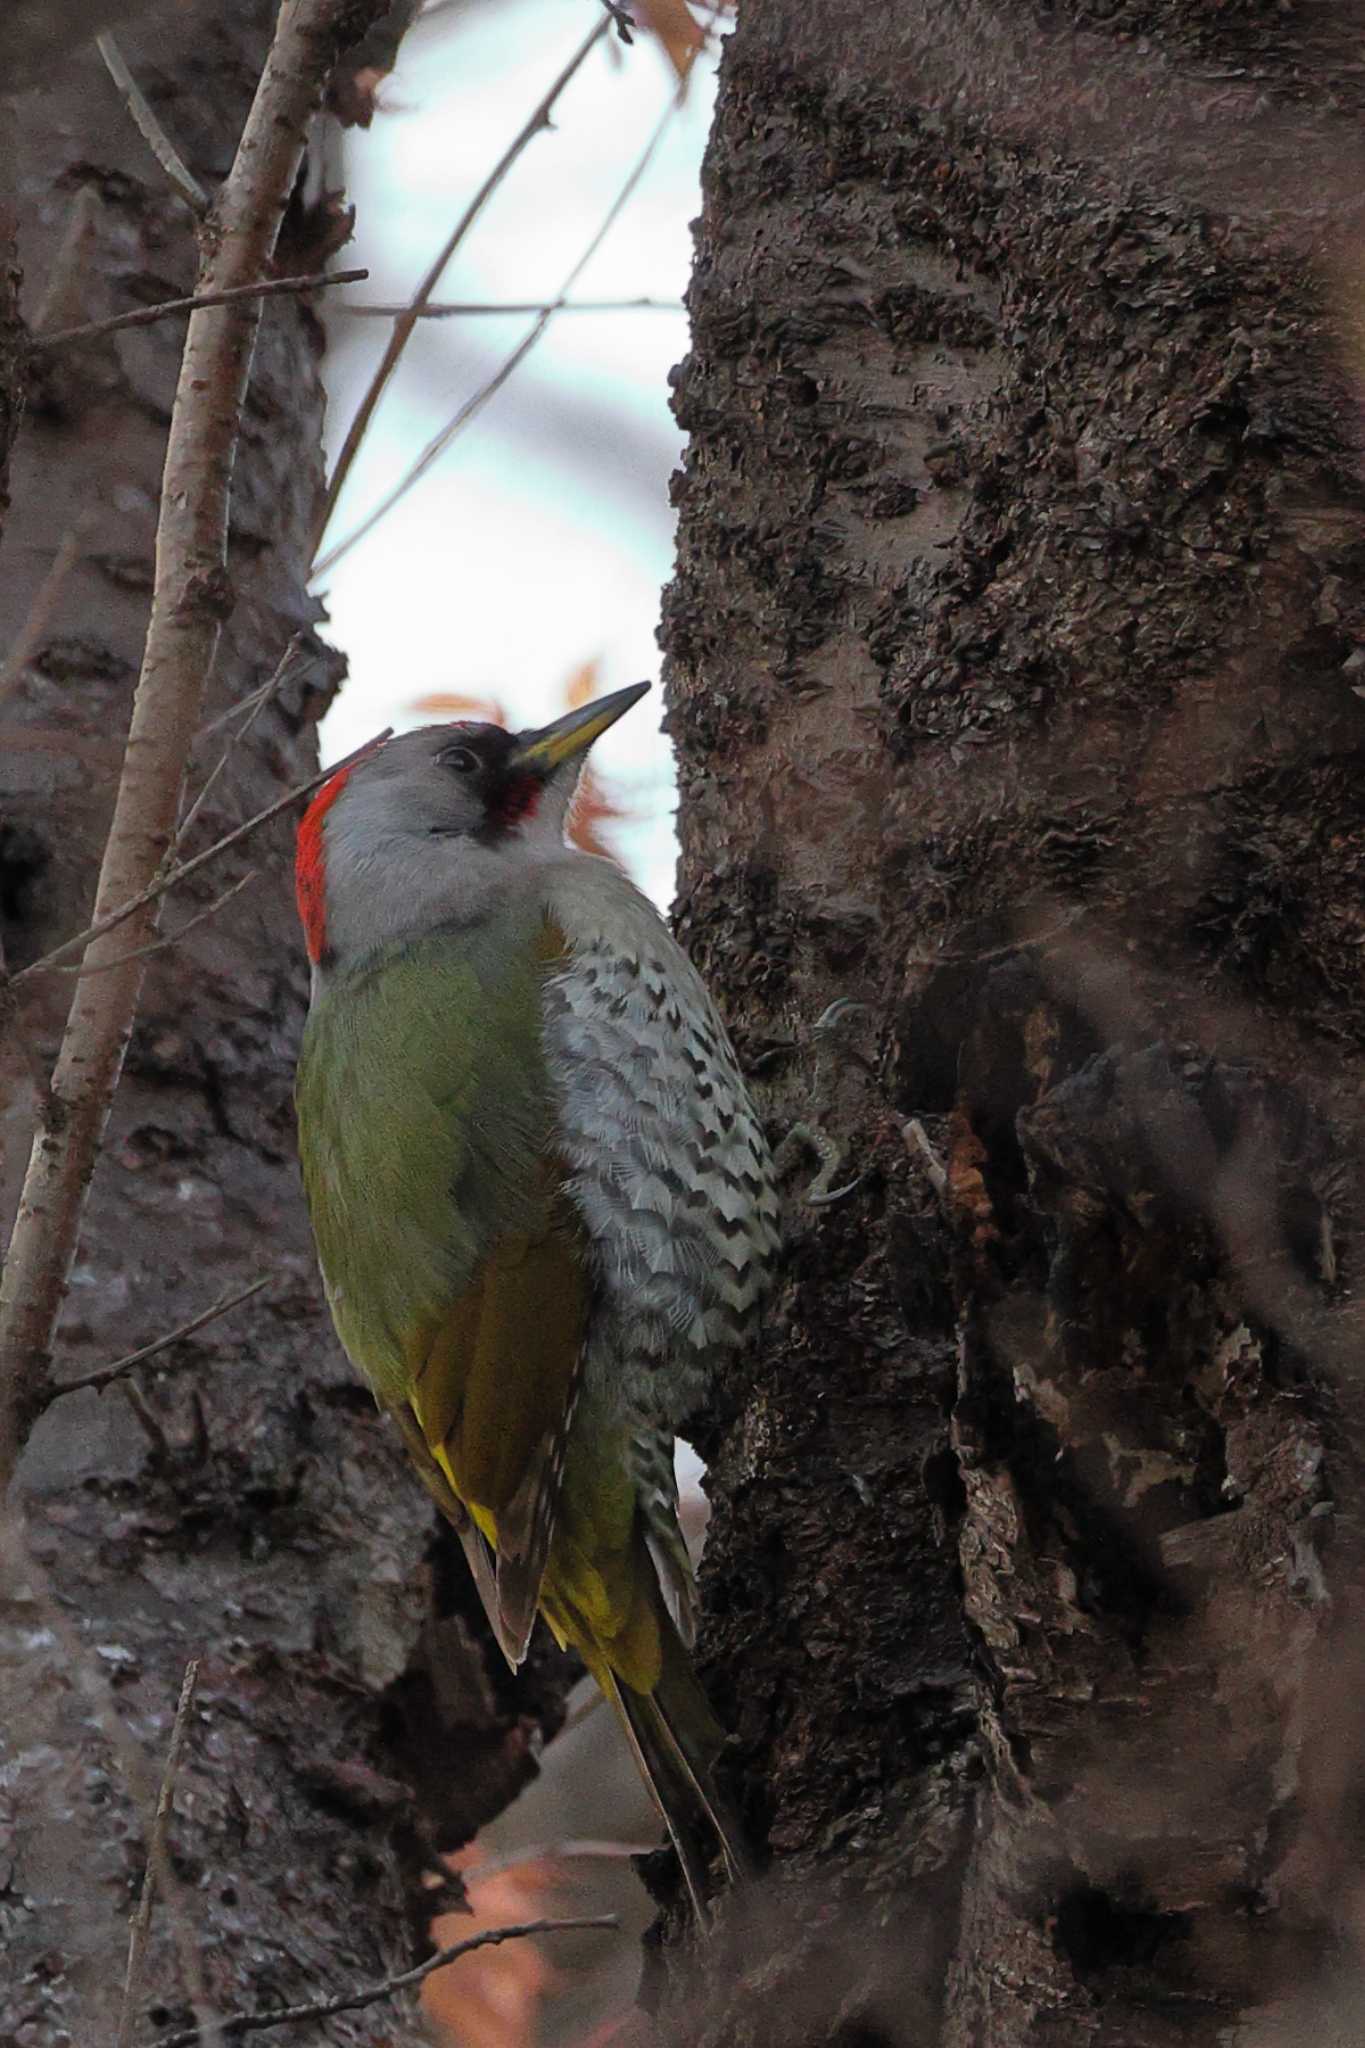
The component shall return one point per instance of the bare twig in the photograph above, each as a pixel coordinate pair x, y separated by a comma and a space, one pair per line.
472, 407
149, 1422
588, 1704
149, 128
147, 316
106, 1375
174, 876
575, 1851
447, 309
623, 18
259, 699
252, 697
40, 612
141, 1925
536, 120
68, 279
436, 447
190, 597
164, 944
916, 1139
239, 2023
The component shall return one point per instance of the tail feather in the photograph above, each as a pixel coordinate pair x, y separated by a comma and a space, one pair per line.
676, 1739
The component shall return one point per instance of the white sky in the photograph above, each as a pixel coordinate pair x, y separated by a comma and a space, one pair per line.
541, 538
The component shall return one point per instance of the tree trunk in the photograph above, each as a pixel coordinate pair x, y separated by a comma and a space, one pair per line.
248, 1509
1016, 658
11, 349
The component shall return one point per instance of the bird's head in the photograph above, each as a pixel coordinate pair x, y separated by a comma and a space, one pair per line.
433, 823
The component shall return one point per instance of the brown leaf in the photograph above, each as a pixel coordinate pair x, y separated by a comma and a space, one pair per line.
449, 704
353, 94
672, 21
492, 1998
593, 809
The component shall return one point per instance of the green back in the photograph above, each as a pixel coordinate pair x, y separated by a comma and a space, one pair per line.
423, 1107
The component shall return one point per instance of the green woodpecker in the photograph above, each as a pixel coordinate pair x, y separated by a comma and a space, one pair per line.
543, 1202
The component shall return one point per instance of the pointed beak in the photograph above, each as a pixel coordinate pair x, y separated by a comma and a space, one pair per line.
542, 752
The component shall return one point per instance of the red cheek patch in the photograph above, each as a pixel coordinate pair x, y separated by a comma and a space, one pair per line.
310, 885
518, 799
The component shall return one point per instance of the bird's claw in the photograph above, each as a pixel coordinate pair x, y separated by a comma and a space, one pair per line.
810, 1138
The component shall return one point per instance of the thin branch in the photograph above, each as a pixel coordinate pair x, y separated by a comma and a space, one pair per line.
106, 1375
259, 699
150, 128
916, 1138
141, 1925
147, 316
472, 407
239, 2023
474, 308
403, 326
623, 18
252, 697
45, 599
437, 446
164, 944
590, 1703
174, 876
586, 1850
149, 1423
68, 279
190, 597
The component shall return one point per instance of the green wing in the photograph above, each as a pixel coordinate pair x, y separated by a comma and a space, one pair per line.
423, 1109
455, 1267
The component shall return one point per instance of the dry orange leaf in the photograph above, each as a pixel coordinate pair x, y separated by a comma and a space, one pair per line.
593, 809
492, 1999
446, 704
673, 22
581, 687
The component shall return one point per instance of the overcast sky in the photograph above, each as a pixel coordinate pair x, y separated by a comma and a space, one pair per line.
541, 538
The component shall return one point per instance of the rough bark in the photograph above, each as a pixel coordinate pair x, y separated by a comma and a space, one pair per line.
11, 349
1013, 652
37, 36
256, 1515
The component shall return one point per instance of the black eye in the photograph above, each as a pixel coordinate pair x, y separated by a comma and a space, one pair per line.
462, 759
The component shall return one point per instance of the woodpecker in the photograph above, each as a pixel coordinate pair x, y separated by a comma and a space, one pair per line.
543, 1203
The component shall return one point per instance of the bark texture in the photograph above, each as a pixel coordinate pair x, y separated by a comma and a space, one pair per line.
1016, 651
12, 366
247, 1508
37, 36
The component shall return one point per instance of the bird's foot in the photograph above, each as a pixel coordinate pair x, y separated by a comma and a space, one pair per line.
802, 1138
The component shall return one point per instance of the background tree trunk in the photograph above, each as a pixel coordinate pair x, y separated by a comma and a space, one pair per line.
250, 1509
1016, 652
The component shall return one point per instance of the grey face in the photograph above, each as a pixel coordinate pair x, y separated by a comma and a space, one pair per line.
433, 831
438, 828
447, 781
